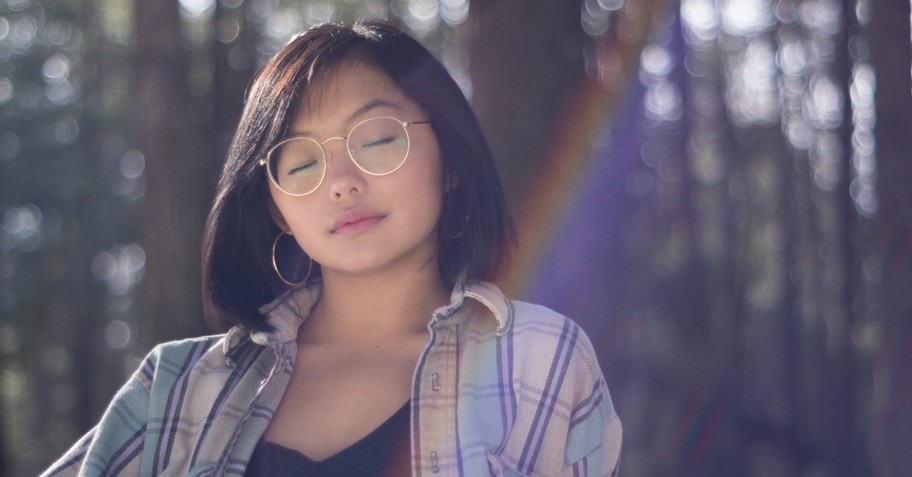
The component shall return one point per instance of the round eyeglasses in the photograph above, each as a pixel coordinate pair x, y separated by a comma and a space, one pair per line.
378, 146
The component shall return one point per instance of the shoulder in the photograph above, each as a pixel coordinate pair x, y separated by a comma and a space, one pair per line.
187, 344
173, 352
533, 334
541, 346
529, 313
166, 361
542, 331
553, 353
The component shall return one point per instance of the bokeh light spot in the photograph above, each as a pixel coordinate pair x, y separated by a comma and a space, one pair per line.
117, 334
66, 130
9, 145
56, 360
132, 164
746, 17
700, 18
6, 89
454, 12
196, 8
639, 182
12, 382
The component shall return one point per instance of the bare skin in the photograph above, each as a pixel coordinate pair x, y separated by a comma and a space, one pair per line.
348, 378
358, 350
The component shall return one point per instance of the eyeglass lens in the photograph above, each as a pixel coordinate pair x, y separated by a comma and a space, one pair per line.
378, 146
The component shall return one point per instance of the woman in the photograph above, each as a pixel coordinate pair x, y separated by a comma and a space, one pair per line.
357, 217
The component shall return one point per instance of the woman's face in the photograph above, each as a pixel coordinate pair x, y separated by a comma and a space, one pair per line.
354, 222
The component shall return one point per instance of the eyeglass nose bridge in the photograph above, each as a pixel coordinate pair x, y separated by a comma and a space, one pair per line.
328, 156
334, 138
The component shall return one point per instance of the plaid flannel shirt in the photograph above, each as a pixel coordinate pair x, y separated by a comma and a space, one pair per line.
502, 388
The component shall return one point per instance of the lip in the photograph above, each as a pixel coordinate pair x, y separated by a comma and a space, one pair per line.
355, 221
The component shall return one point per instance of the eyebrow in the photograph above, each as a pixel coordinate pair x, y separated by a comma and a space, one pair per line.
373, 104
369, 106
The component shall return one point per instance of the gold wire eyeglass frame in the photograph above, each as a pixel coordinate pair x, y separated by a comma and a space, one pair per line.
266, 161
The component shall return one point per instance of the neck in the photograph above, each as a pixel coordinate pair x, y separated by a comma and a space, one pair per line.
371, 309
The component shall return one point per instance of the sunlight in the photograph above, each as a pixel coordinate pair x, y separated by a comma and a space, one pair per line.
746, 17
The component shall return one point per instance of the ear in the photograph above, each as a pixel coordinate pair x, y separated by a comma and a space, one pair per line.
277, 217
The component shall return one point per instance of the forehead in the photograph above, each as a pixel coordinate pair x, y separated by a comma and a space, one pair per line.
345, 88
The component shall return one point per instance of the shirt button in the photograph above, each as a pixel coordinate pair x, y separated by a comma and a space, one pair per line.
435, 462
435, 382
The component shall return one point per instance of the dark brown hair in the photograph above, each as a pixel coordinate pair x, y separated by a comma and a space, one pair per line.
475, 232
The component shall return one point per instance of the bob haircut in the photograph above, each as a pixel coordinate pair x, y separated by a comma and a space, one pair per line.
475, 232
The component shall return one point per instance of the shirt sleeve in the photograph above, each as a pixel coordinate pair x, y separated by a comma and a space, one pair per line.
595, 429
612, 454
604, 459
114, 446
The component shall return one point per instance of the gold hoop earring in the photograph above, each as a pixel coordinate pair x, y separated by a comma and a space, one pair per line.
462, 230
275, 264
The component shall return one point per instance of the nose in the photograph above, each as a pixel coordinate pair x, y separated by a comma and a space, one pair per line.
343, 177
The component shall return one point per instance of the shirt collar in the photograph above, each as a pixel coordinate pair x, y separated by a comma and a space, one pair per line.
484, 293
286, 313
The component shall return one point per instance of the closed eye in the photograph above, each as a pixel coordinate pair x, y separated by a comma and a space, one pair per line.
379, 142
301, 168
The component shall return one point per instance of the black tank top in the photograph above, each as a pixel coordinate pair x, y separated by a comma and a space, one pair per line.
385, 452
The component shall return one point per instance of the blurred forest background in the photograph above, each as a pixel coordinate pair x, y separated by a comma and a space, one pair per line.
719, 191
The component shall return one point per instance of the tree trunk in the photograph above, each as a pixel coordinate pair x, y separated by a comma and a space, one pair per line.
526, 61
890, 55
845, 453
175, 203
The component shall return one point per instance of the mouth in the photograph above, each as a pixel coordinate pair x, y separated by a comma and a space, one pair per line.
355, 221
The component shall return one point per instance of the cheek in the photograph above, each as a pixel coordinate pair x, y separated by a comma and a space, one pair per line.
275, 213
418, 193
431, 188
292, 215
433, 204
